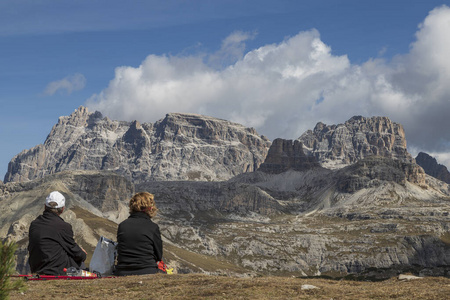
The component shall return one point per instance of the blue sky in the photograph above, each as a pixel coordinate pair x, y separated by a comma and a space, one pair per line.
279, 66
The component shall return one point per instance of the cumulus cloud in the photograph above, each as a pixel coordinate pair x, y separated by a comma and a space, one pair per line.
286, 88
70, 83
232, 49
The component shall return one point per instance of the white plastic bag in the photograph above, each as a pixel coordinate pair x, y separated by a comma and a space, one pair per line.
102, 260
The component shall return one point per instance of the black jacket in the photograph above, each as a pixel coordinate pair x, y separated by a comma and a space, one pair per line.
139, 245
51, 245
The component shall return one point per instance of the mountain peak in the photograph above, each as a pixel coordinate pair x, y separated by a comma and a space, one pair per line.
432, 168
178, 147
337, 146
287, 154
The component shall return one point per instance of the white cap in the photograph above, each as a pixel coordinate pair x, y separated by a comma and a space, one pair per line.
55, 197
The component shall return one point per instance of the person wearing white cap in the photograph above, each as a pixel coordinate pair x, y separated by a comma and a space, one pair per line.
51, 244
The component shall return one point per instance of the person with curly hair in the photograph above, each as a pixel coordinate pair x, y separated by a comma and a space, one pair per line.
139, 238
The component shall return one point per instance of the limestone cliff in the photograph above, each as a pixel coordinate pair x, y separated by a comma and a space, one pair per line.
375, 218
291, 223
178, 147
376, 215
287, 155
373, 170
336, 146
432, 168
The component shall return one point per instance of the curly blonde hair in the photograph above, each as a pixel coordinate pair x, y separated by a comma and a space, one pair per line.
144, 202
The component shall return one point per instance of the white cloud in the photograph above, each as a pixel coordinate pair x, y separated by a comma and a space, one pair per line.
284, 89
70, 83
442, 158
232, 49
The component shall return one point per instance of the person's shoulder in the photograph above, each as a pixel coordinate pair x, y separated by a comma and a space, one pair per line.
151, 223
128, 222
147, 220
38, 220
136, 219
124, 222
34, 222
61, 222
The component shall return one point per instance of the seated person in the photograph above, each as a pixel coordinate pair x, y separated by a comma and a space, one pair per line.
139, 239
51, 244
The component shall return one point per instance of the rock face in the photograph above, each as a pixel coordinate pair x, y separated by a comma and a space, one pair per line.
432, 168
376, 216
285, 155
373, 170
185, 197
178, 147
310, 222
336, 146
376, 219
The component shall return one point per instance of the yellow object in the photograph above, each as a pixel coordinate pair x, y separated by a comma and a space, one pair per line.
169, 271
85, 273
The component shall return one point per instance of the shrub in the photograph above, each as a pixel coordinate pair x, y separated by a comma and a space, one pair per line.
7, 267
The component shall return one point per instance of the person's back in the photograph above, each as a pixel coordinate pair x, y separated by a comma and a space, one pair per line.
139, 239
51, 245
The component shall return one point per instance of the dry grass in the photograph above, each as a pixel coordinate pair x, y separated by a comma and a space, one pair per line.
195, 286
198, 262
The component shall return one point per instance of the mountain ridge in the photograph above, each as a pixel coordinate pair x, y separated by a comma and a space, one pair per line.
340, 145
376, 215
432, 168
178, 147
194, 147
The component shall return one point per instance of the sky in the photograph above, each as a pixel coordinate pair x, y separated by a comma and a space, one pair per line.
280, 66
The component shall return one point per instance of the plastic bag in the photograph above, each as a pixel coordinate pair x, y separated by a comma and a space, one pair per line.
104, 256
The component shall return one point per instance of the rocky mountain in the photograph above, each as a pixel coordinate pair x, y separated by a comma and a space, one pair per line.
287, 155
336, 146
377, 215
301, 223
194, 147
373, 219
431, 167
178, 147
